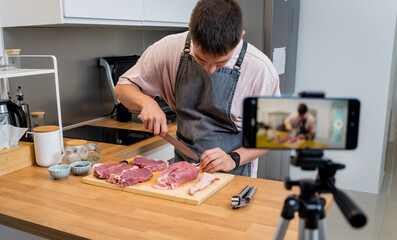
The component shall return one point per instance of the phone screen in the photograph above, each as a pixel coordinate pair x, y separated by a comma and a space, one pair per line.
300, 123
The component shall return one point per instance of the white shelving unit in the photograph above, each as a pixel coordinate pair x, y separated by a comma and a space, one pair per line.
25, 72
4, 75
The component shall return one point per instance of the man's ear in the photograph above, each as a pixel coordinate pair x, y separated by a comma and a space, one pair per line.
242, 34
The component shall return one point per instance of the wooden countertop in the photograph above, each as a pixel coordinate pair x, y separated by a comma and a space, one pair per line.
31, 201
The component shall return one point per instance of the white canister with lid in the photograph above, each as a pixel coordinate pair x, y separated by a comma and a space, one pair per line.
47, 145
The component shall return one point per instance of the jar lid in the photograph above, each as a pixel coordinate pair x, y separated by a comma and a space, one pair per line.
76, 142
91, 146
12, 51
71, 149
37, 114
43, 129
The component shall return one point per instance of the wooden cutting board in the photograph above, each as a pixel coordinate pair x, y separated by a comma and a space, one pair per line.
178, 195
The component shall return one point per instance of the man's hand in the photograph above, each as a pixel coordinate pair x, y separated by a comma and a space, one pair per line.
216, 159
152, 116
154, 119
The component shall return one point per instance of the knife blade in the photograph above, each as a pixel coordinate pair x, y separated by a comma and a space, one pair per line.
181, 147
178, 145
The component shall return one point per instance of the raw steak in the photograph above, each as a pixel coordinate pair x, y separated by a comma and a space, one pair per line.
114, 176
151, 164
133, 176
177, 174
281, 139
204, 182
104, 170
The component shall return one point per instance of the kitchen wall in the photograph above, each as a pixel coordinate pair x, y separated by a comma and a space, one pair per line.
253, 25
83, 90
345, 48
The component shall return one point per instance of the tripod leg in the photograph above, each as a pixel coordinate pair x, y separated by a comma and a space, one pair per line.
301, 235
322, 229
322, 226
281, 229
290, 207
310, 212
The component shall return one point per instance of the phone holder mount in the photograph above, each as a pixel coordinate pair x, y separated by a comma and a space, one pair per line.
309, 204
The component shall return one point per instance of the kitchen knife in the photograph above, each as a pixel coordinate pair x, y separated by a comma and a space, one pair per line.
181, 147
178, 145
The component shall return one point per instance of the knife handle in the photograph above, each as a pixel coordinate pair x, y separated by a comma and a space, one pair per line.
128, 161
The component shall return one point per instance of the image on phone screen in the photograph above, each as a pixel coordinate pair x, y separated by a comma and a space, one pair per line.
302, 123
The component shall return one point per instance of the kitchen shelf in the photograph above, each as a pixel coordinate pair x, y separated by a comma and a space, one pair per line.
31, 72
25, 72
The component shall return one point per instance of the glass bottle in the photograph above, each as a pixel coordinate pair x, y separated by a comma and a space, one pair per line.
94, 155
80, 146
13, 59
70, 155
37, 119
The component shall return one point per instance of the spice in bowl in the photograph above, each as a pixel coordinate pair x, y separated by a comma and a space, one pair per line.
80, 168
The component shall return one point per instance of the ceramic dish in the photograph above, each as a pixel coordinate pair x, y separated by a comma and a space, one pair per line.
59, 171
80, 167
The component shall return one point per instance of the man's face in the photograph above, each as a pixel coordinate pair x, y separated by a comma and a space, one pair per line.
209, 62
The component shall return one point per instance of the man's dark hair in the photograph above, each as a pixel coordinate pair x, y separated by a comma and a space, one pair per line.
302, 109
216, 26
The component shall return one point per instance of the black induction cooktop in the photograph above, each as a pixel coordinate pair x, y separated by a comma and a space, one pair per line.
107, 135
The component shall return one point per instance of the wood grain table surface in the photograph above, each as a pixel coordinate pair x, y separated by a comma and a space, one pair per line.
31, 201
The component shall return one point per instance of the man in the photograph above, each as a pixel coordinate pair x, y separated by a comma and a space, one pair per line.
302, 122
204, 75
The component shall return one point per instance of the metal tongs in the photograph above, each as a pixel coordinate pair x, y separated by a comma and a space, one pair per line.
244, 197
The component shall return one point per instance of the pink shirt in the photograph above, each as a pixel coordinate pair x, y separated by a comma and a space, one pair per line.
310, 124
156, 69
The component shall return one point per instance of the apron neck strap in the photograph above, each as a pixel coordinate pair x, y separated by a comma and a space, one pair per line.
187, 44
240, 59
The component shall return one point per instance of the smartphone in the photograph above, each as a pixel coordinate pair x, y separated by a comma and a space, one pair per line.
300, 123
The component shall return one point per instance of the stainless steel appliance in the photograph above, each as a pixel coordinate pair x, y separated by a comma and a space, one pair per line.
10, 113
272, 26
25, 107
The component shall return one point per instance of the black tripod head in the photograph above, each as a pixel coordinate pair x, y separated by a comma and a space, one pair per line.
325, 183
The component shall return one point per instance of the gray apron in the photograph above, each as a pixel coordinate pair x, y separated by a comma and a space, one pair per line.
203, 103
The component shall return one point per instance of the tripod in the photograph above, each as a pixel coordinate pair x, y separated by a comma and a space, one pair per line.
309, 204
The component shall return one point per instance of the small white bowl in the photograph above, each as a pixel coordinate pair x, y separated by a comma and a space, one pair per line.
59, 171
80, 167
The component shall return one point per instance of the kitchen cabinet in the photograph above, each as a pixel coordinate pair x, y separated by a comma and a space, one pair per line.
22, 13
127, 10
163, 13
